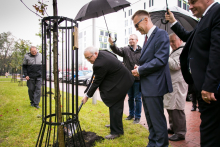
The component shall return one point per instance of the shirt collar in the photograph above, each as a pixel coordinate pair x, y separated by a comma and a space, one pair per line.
133, 48
208, 8
150, 31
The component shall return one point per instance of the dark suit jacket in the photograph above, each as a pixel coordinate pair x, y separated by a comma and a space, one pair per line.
202, 51
112, 78
154, 69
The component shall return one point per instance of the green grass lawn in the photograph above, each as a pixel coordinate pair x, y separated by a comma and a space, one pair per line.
20, 126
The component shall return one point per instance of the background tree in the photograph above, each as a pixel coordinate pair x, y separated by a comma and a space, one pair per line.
21, 47
6, 49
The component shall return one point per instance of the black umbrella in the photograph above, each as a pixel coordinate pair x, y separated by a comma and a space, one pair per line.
97, 8
182, 16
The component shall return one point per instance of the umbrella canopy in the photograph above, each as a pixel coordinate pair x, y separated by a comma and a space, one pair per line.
182, 16
97, 8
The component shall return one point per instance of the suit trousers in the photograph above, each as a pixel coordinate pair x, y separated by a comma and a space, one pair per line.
116, 113
177, 121
34, 90
154, 112
210, 122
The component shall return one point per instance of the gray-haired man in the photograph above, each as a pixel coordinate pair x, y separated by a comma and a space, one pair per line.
32, 68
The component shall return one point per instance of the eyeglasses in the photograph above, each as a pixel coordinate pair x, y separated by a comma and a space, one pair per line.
89, 57
136, 25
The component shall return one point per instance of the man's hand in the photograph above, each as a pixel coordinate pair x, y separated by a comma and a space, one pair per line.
110, 41
208, 96
135, 71
170, 17
27, 78
135, 66
85, 99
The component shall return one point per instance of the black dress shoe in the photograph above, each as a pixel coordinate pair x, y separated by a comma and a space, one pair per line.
112, 136
176, 137
129, 117
107, 126
193, 109
170, 131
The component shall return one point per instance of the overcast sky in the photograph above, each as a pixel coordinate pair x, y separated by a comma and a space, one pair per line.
24, 24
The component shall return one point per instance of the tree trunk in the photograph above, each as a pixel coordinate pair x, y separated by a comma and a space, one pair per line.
56, 82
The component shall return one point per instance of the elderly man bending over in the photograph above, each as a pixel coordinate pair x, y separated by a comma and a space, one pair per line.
113, 80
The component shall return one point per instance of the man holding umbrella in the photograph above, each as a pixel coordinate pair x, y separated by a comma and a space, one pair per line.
131, 55
199, 61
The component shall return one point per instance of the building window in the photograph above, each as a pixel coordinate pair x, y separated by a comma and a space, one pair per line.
125, 31
129, 12
101, 44
144, 5
80, 35
184, 5
131, 22
125, 14
84, 32
84, 38
102, 33
105, 45
149, 3
105, 39
84, 44
187, 7
126, 23
179, 3
126, 40
115, 35
106, 33
130, 31
152, 2
100, 38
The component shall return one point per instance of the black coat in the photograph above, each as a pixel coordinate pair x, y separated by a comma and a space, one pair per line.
202, 51
112, 78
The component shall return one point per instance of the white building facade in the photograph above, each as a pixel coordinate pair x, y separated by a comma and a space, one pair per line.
120, 26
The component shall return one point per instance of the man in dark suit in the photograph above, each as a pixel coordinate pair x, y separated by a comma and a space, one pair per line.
200, 64
154, 77
113, 80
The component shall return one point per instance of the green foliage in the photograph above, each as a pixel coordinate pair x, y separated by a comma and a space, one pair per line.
21, 47
20, 125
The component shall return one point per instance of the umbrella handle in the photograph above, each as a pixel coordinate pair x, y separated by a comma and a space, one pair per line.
164, 22
115, 38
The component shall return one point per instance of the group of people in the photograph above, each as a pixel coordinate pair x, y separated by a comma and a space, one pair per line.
159, 80
154, 77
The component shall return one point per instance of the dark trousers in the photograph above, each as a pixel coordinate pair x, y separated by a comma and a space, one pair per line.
116, 113
34, 90
177, 121
134, 100
195, 94
154, 112
210, 122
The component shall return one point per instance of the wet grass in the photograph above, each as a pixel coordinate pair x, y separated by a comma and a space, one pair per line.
20, 125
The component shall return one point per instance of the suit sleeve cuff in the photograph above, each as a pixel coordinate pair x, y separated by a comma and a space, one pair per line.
87, 95
173, 23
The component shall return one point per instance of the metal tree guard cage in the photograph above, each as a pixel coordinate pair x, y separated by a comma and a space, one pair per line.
59, 105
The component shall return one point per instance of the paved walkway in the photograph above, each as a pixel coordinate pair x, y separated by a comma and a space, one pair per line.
192, 121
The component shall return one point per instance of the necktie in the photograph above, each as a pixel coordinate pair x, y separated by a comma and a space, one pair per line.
145, 39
